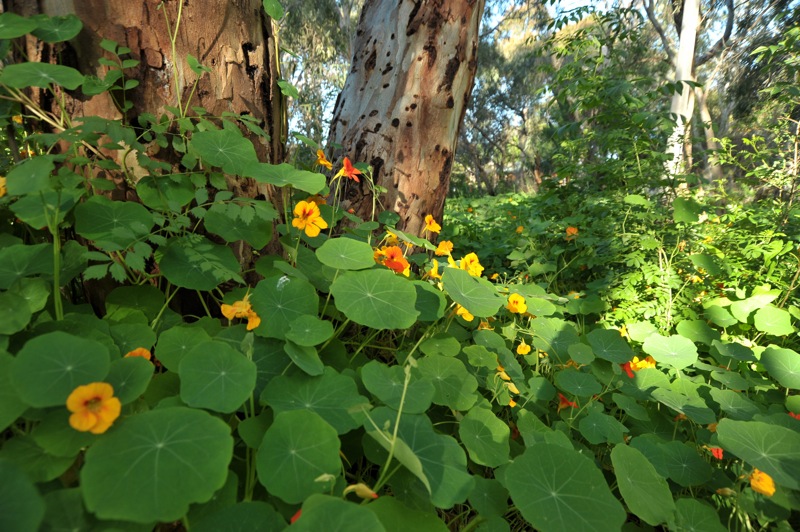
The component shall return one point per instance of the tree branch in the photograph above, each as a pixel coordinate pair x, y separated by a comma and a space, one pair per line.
651, 16
722, 42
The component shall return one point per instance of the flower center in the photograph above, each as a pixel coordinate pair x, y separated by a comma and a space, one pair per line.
93, 404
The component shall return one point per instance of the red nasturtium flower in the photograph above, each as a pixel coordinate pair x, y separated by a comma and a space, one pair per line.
296, 516
323, 161
308, 218
94, 407
349, 171
796, 416
563, 402
717, 452
139, 352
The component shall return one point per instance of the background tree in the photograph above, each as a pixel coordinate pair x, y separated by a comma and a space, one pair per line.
404, 100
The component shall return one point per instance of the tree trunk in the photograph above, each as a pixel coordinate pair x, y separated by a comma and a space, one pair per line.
682, 102
713, 170
404, 101
235, 39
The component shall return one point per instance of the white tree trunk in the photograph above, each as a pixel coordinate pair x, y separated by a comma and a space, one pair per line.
404, 100
683, 102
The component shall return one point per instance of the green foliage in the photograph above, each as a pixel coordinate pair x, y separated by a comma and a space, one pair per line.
650, 371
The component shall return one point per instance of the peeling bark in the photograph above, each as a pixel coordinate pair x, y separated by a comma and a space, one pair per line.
404, 101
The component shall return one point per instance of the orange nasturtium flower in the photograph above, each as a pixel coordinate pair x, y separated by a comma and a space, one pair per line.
638, 364
572, 233
3, 189
762, 483
523, 348
394, 260
349, 171
308, 218
563, 402
242, 309
516, 304
464, 313
431, 225
445, 247
139, 352
520, 229
472, 265
17, 119
323, 161
94, 407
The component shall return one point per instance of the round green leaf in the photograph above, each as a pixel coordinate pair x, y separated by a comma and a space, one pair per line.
475, 294
129, 336
31, 175
57, 29
242, 517
55, 435
698, 331
346, 254
441, 344
442, 459
331, 395
285, 174
112, 225
733, 350
686, 210
486, 437
771, 448
386, 383
783, 365
296, 450
175, 343
332, 514
42, 75
599, 428
454, 386
232, 225
279, 301
304, 357
65, 510
696, 515
578, 383
430, 302
15, 314
13, 25
162, 193
773, 320
21, 506
39, 465
20, 260
130, 377
148, 299
376, 298
554, 336
559, 489
683, 463
153, 465
217, 377
11, 406
224, 148
49, 367
309, 330
489, 497
646, 493
609, 345
397, 517
675, 351
35, 291
195, 262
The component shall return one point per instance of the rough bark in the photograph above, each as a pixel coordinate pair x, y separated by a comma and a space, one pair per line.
713, 170
404, 100
233, 38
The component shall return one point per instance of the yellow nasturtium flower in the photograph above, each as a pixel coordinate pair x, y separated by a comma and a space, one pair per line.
323, 161
444, 248
242, 309
523, 348
516, 304
94, 407
472, 265
431, 225
464, 313
308, 218
434, 271
762, 483
3, 189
